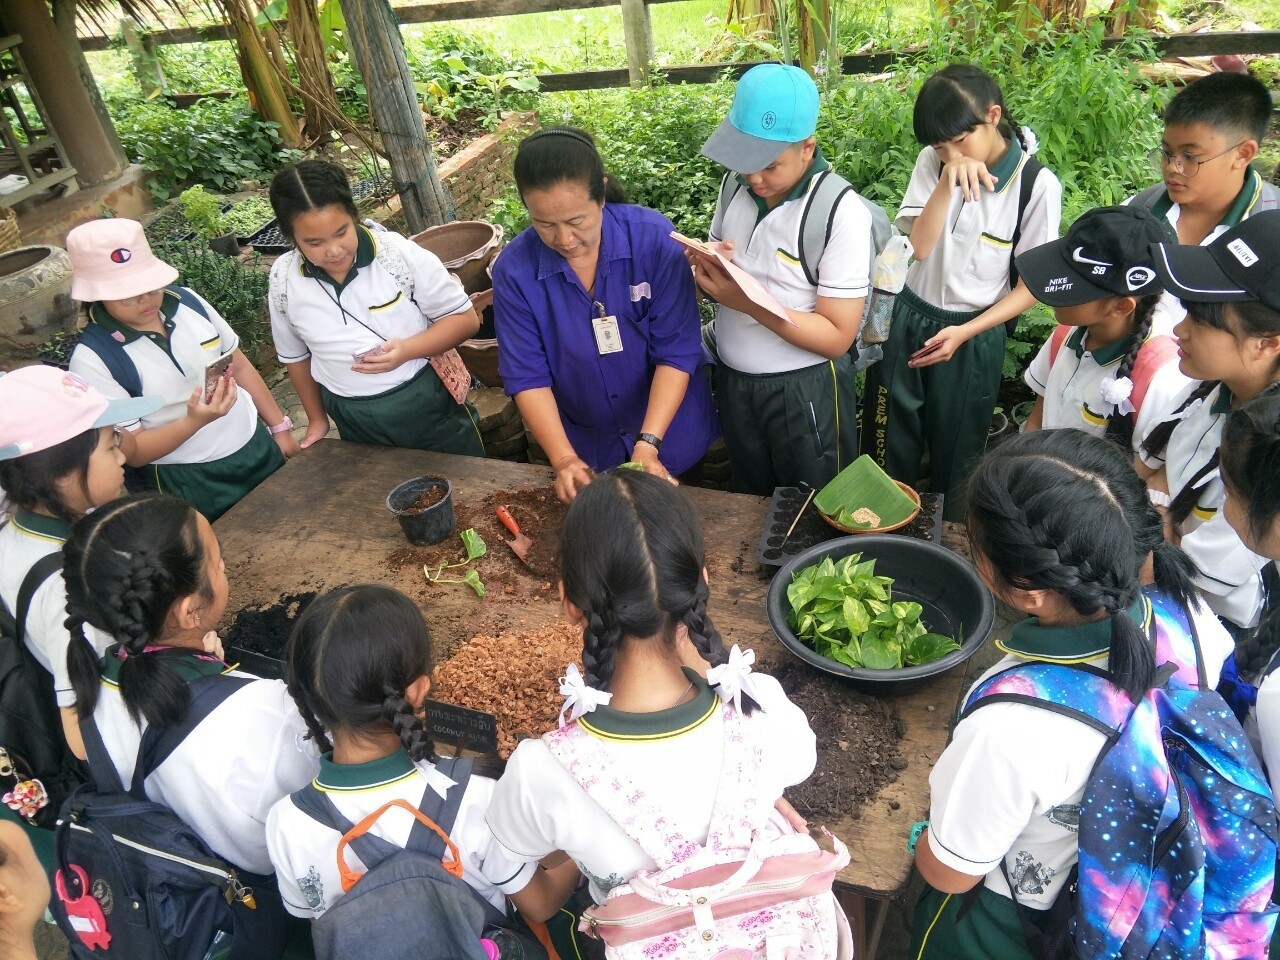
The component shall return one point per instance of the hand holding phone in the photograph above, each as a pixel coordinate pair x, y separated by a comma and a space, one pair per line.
364, 355
214, 371
925, 351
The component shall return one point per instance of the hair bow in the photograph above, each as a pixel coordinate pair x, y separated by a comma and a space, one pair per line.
733, 678
1032, 144
578, 697
1115, 394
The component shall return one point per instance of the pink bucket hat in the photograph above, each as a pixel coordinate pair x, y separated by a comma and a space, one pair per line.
41, 407
111, 260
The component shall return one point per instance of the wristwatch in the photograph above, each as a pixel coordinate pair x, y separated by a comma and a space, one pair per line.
281, 427
651, 439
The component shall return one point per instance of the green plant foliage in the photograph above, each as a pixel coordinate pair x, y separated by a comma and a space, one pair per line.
237, 291
248, 215
203, 211
215, 143
848, 614
475, 546
456, 71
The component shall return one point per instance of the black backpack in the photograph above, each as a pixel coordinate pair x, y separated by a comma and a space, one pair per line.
32, 745
437, 916
131, 880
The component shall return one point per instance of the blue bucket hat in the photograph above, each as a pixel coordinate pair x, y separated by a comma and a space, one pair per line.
774, 106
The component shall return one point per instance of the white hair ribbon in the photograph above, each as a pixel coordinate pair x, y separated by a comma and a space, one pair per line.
578, 697
1029, 136
1114, 395
733, 678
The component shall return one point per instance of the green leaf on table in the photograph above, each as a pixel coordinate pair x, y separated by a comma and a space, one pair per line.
472, 580
474, 544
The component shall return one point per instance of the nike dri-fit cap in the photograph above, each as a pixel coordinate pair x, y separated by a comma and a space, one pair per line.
1242, 264
774, 106
1106, 253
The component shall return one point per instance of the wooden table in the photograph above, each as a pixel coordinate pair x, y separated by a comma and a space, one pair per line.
321, 522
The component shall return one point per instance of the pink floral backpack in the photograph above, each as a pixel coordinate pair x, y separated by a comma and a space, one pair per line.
745, 895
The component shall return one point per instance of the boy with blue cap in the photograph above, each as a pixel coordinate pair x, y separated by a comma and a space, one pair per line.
785, 388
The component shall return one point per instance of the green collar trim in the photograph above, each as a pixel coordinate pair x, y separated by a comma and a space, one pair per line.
41, 527
816, 166
366, 253
1102, 356
1222, 403
1073, 644
1243, 204
343, 777
610, 724
1006, 168
126, 334
188, 664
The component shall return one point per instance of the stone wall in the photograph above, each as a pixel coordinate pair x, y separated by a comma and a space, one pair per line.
482, 170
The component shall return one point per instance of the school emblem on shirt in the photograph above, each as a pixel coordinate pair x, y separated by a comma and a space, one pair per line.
1028, 876
1065, 815
312, 889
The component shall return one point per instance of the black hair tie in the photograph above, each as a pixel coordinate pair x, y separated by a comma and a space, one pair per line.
560, 132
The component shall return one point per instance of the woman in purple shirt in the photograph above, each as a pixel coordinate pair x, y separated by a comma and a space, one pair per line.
599, 338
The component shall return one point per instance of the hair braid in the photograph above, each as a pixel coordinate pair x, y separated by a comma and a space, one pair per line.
316, 731
1158, 439
706, 638
1120, 425
601, 638
408, 726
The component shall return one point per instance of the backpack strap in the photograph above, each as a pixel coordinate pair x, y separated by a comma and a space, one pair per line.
1056, 340
40, 571
1153, 356
113, 356
729, 187
815, 223
1026, 184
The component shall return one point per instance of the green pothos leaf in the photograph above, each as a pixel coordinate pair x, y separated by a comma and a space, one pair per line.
474, 544
472, 580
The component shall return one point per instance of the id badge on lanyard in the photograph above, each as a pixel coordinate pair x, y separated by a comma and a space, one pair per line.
608, 339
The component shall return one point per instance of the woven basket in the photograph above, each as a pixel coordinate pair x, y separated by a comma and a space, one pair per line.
10, 236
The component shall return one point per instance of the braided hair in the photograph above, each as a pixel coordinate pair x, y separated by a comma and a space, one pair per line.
955, 100
1063, 510
1120, 425
126, 565
560, 154
632, 561
307, 186
350, 659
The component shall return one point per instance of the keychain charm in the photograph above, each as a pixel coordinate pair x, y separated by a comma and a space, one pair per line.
27, 798
84, 913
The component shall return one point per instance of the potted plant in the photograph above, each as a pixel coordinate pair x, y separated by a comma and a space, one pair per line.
204, 213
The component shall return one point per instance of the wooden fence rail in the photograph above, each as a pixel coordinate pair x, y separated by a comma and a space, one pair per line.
640, 42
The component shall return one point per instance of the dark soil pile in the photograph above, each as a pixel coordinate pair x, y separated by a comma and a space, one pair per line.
265, 630
858, 737
427, 498
539, 515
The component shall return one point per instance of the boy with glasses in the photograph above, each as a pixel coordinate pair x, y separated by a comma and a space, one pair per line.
1212, 130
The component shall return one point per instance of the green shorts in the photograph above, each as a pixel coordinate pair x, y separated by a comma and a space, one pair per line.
420, 414
214, 488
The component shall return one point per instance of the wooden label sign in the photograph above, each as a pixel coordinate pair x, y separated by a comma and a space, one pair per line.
462, 727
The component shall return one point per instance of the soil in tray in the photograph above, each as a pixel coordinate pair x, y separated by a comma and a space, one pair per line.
265, 630
539, 514
858, 739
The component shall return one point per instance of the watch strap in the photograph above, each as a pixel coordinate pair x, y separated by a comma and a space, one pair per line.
652, 439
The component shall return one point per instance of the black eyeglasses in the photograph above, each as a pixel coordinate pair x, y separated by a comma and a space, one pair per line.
1187, 164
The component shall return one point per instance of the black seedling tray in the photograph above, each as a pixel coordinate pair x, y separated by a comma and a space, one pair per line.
774, 551
269, 239
363, 189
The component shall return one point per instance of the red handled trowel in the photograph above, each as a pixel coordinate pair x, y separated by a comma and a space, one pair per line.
521, 545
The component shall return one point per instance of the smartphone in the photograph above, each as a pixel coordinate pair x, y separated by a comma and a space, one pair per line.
214, 371
364, 355
925, 351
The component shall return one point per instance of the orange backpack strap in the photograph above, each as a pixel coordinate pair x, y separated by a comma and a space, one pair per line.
1056, 340
1153, 356
452, 866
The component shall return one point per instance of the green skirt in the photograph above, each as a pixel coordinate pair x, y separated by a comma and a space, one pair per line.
960, 926
420, 414
214, 488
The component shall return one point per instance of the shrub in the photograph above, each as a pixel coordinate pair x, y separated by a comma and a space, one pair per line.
237, 291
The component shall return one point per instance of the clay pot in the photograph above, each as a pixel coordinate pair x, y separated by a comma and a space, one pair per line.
465, 247
35, 301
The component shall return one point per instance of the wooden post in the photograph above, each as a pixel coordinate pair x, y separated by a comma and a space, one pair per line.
637, 31
375, 43
146, 67
319, 101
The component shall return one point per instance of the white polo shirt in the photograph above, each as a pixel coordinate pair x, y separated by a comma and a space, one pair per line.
24, 540
767, 245
225, 777
305, 853
968, 268
1230, 573
312, 316
1070, 386
1170, 310
673, 755
1265, 731
172, 367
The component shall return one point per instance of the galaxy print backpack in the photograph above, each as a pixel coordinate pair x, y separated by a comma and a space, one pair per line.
1177, 823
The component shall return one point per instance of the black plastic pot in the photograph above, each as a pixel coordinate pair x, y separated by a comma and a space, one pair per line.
956, 603
423, 527
227, 245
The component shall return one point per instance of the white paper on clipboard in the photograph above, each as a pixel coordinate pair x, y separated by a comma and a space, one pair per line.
748, 284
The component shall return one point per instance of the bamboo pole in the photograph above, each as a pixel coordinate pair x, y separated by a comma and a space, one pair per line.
314, 77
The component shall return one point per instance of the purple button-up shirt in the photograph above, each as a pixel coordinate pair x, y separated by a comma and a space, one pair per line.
542, 315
